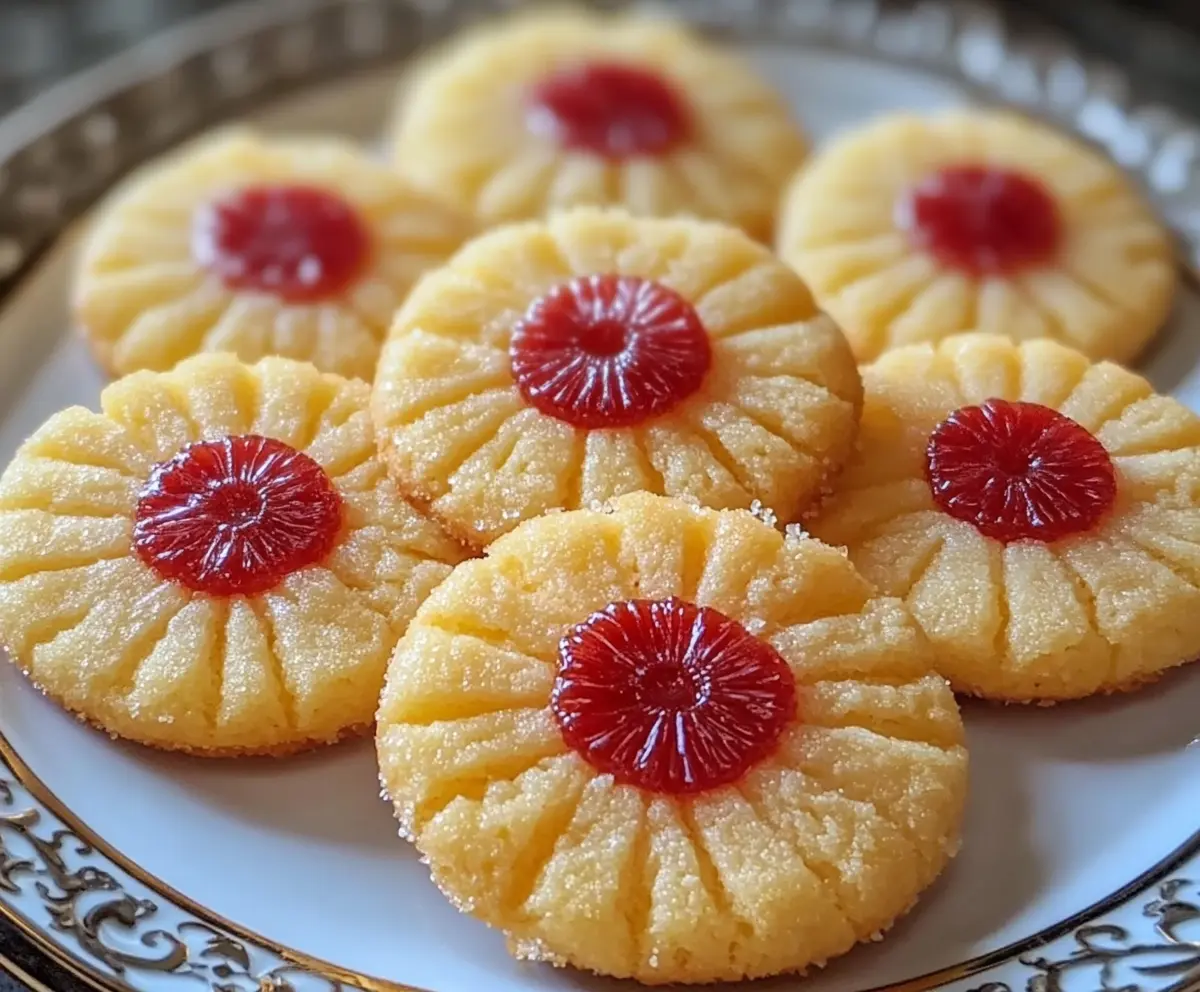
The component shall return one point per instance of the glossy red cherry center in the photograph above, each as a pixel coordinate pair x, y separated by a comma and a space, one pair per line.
671, 697
609, 351
235, 516
1020, 471
300, 243
609, 108
982, 220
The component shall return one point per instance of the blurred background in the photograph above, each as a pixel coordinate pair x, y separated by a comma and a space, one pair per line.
43, 40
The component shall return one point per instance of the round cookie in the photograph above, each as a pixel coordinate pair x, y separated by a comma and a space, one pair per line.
669, 743
300, 247
216, 562
550, 110
552, 364
1039, 514
911, 229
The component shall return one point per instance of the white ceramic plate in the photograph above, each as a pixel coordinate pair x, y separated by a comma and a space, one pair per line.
136, 869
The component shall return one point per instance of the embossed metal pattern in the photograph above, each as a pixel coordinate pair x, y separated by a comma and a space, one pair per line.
105, 920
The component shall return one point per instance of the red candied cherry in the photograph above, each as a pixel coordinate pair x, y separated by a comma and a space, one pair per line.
982, 220
669, 696
609, 351
609, 108
235, 516
300, 243
1020, 471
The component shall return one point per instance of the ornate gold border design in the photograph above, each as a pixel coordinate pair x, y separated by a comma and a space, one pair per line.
116, 927
91, 894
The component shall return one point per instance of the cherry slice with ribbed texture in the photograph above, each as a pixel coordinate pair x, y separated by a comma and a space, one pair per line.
609, 108
237, 515
609, 351
982, 220
671, 697
300, 243
1020, 471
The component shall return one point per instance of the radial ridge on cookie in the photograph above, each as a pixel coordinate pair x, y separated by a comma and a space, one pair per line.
216, 562
910, 229
551, 110
1039, 514
299, 247
552, 364
668, 743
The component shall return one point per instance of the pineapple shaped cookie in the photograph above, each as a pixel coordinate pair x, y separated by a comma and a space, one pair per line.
911, 229
298, 247
553, 364
216, 562
667, 743
568, 108
1039, 514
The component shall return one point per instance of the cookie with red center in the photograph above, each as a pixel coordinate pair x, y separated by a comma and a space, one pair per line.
912, 229
216, 562
299, 247
1040, 515
669, 743
547, 111
552, 364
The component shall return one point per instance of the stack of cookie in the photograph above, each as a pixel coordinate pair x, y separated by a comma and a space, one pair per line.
559, 553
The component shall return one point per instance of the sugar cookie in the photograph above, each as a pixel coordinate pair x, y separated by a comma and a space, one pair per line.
1039, 514
670, 744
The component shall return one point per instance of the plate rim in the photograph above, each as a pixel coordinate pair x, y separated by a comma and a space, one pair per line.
967, 41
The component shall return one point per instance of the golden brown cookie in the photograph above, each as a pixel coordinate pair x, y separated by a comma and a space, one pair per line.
559, 109
300, 247
553, 364
911, 229
216, 562
668, 743
1040, 515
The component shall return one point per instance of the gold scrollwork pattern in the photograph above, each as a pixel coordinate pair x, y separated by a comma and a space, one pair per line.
1108, 957
1118, 960
86, 901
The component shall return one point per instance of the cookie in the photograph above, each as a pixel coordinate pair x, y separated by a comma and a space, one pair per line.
216, 562
299, 247
559, 109
912, 229
1039, 514
668, 743
552, 364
